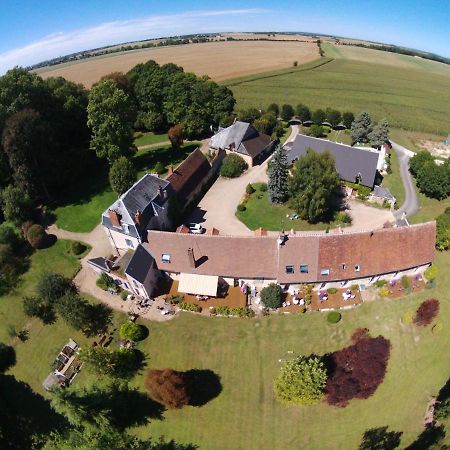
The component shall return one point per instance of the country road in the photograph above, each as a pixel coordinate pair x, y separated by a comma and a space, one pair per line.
411, 204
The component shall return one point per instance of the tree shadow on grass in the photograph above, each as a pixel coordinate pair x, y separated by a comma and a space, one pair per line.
444, 393
146, 159
380, 439
25, 417
428, 438
204, 386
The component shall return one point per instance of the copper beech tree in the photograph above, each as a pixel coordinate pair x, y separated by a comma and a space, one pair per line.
169, 387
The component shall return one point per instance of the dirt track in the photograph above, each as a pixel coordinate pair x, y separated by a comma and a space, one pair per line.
218, 60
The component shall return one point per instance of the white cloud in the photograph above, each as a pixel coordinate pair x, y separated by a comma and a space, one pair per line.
63, 43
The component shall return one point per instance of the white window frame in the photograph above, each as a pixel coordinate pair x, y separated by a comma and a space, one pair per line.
325, 272
357, 268
165, 258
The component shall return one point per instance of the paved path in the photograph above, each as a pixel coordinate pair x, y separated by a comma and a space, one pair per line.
411, 204
217, 208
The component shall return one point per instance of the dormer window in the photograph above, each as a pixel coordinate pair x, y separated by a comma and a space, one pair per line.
126, 228
165, 258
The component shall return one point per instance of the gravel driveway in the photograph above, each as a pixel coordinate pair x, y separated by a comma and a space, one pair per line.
217, 208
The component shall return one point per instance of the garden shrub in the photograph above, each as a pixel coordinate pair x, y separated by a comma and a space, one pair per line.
124, 295
159, 168
105, 282
408, 318
37, 237
263, 187
232, 311
301, 381
405, 282
380, 283
431, 273
77, 248
241, 207
442, 410
233, 166
175, 299
354, 287
131, 331
343, 217
334, 317
307, 298
427, 312
190, 307
358, 370
384, 291
249, 189
271, 295
332, 290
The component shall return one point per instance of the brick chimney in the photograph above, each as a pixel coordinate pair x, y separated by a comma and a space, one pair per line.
170, 171
138, 217
115, 218
191, 258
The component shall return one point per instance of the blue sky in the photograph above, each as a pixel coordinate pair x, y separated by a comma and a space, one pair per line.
32, 31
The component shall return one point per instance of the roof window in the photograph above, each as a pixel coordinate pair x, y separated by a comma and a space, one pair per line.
290, 269
165, 257
324, 271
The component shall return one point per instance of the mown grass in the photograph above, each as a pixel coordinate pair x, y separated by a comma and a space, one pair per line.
260, 212
150, 138
246, 355
413, 99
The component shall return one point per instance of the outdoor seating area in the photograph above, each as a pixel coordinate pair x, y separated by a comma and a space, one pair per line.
232, 296
66, 367
334, 299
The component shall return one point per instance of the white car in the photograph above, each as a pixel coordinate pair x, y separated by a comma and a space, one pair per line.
195, 228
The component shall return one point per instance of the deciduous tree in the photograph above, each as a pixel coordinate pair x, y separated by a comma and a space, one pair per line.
16, 204
176, 136
301, 381
110, 118
348, 118
312, 185
379, 134
319, 116
271, 295
287, 112
303, 112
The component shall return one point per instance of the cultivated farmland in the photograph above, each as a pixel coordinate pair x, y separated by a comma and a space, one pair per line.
218, 60
410, 98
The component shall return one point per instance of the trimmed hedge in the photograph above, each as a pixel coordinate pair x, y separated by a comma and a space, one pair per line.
334, 317
233, 166
229, 311
36, 236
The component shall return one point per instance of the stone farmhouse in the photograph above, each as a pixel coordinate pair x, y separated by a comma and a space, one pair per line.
245, 140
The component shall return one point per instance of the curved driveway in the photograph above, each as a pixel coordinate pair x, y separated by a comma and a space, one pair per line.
217, 208
411, 204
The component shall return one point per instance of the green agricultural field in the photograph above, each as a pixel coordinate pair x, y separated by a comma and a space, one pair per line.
246, 354
409, 98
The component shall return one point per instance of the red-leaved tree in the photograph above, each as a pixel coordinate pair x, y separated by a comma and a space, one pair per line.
357, 370
427, 312
168, 387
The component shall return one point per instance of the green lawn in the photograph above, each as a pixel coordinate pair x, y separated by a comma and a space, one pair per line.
429, 209
408, 97
246, 354
394, 182
149, 138
261, 213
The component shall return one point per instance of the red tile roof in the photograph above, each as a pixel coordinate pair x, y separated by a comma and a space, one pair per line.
189, 174
382, 251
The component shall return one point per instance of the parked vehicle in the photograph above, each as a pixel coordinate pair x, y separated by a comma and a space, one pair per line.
195, 228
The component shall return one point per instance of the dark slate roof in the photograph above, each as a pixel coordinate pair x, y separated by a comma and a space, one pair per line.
100, 263
246, 139
382, 192
139, 265
350, 161
143, 196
